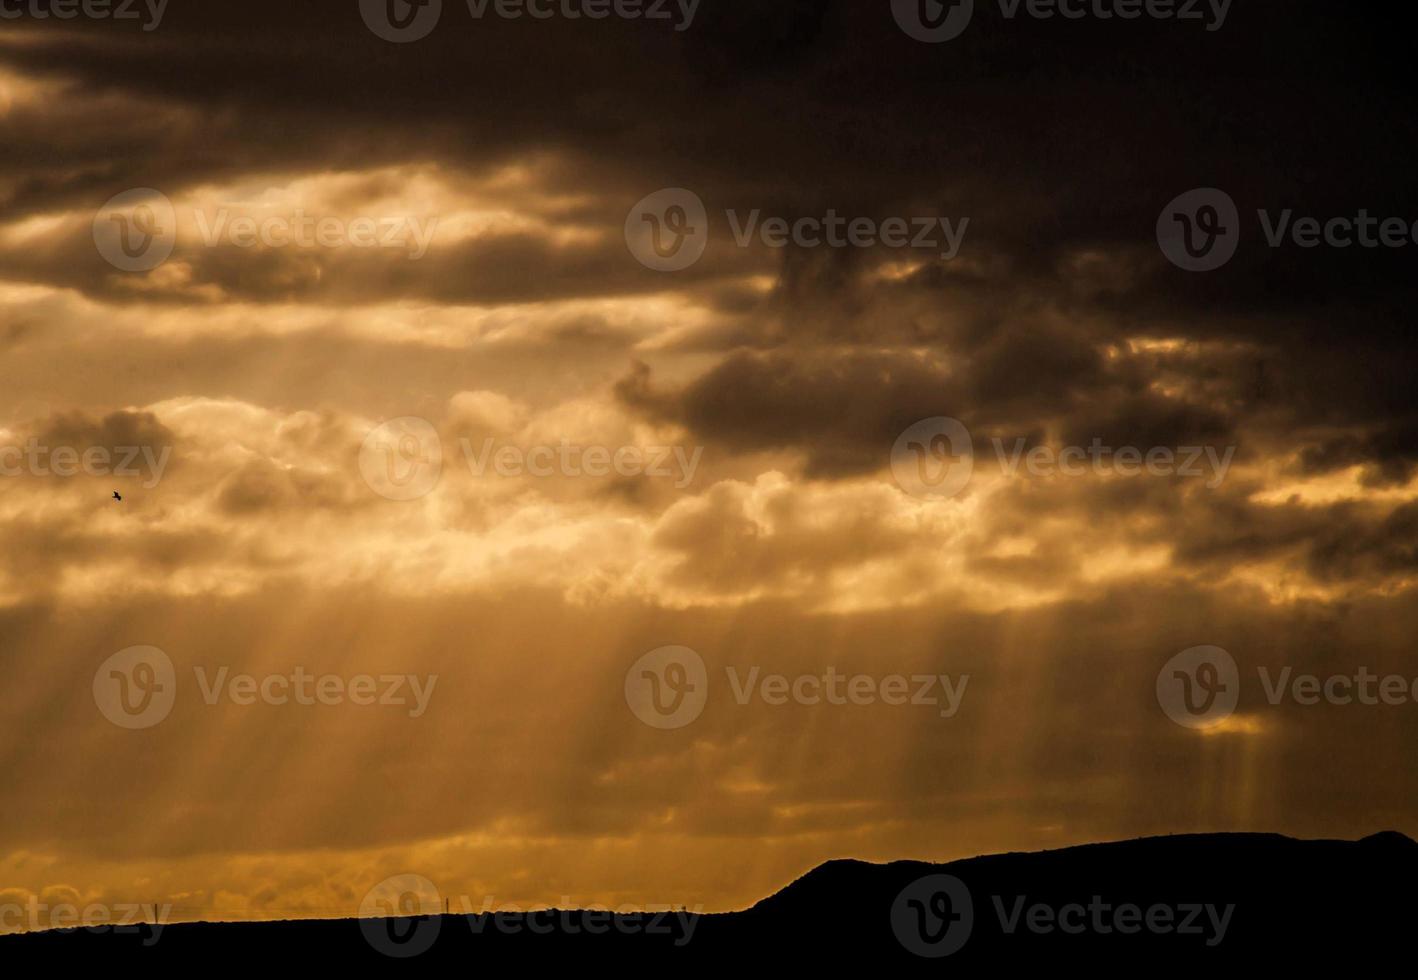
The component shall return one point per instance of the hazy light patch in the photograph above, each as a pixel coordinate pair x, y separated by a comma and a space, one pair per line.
1236, 725
19, 91
29, 230
1011, 547
686, 316
1280, 583
638, 322
105, 579
14, 293
800, 812
176, 278
1121, 563
1159, 345
1331, 488
745, 785
319, 223
465, 223
897, 271
455, 206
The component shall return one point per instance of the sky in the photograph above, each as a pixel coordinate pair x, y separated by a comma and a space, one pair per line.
401, 398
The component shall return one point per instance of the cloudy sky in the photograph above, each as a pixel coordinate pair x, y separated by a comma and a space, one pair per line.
403, 294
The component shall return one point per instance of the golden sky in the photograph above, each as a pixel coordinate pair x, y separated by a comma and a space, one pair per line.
754, 516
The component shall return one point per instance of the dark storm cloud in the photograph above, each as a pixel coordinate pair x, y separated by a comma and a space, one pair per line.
1146, 420
1060, 140
112, 431
1053, 136
845, 409
1130, 113
261, 487
1360, 544
841, 410
1390, 453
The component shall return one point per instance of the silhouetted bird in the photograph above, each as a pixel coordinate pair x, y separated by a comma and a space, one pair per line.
118, 496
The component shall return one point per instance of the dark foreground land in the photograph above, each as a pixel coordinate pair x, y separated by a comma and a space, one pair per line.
1158, 904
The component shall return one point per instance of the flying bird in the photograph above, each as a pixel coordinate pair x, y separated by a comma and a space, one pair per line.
118, 496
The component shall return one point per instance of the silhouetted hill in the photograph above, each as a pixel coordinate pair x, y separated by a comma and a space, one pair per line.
1160, 903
